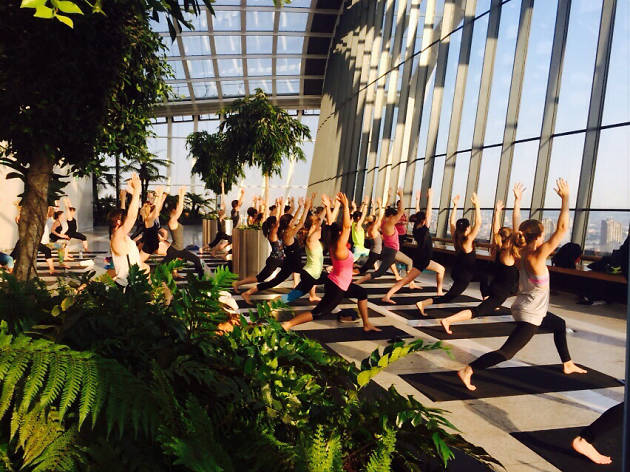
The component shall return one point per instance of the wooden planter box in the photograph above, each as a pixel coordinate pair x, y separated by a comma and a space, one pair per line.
209, 230
250, 250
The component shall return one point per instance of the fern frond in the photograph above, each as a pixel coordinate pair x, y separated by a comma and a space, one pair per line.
381, 459
35, 380
75, 375
89, 390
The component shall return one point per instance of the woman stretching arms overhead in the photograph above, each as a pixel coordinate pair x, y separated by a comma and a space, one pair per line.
530, 307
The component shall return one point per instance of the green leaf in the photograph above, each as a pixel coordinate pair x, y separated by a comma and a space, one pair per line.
67, 6
67, 303
364, 377
44, 12
65, 19
56, 311
32, 3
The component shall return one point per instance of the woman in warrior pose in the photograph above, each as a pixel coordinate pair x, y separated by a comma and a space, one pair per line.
339, 283
276, 258
287, 232
423, 252
583, 443
176, 249
375, 235
71, 220
358, 233
505, 274
150, 213
124, 251
59, 237
464, 268
530, 307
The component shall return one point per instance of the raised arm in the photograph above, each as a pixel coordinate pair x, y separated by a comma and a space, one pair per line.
326, 203
477, 226
418, 194
241, 196
498, 208
429, 210
302, 219
516, 214
335, 211
123, 199
66, 204
380, 212
341, 251
180, 203
160, 197
132, 213
363, 212
545, 250
401, 211
452, 219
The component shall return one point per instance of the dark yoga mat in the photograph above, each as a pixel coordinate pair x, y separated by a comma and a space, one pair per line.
507, 381
413, 299
386, 280
474, 330
437, 313
554, 445
371, 290
338, 335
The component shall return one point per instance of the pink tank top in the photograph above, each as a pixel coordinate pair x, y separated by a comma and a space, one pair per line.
341, 274
391, 240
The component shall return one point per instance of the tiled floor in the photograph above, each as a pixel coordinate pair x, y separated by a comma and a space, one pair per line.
596, 340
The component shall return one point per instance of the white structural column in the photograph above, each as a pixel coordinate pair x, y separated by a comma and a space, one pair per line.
193, 177
274, 50
385, 158
244, 47
551, 107
456, 115
448, 23
594, 121
213, 51
481, 117
384, 63
366, 40
169, 148
514, 103
403, 100
370, 94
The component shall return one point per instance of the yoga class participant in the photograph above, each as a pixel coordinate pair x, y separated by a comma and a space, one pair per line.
71, 221
276, 257
59, 238
287, 231
124, 251
6, 262
463, 235
505, 273
221, 240
360, 252
339, 283
532, 301
235, 214
375, 235
176, 249
583, 443
423, 252
150, 213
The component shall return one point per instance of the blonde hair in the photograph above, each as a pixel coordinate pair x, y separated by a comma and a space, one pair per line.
504, 241
528, 231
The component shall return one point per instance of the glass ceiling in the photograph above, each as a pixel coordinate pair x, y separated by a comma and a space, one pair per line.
250, 44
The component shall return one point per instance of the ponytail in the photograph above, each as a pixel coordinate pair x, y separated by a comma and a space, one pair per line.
528, 231
519, 239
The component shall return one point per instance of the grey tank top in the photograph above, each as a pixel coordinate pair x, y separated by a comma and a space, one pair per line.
532, 300
178, 237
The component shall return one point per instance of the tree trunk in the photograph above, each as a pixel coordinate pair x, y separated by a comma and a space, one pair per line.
95, 203
117, 181
266, 211
32, 216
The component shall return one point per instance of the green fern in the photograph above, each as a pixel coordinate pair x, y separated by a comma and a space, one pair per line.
324, 455
381, 459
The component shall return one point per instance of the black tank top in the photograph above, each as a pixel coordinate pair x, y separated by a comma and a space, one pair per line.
464, 267
72, 226
505, 277
277, 251
151, 234
425, 243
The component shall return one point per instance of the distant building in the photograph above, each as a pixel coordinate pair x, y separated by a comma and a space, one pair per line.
611, 233
549, 225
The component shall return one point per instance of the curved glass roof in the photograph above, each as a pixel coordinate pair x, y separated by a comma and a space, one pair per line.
250, 44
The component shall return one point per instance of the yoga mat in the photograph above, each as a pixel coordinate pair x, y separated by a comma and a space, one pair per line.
386, 280
436, 313
507, 381
339, 335
554, 445
474, 330
415, 298
383, 290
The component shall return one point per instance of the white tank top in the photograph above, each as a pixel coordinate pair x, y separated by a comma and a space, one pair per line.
46, 234
532, 299
123, 262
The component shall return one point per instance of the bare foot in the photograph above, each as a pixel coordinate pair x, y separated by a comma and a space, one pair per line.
246, 296
370, 327
286, 326
52, 272
420, 307
413, 286
66, 265
399, 278
446, 325
235, 287
388, 300
465, 375
585, 448
314, 299
440, 293
570, 368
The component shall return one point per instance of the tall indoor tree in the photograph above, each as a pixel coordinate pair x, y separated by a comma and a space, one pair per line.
262, 134
64, 113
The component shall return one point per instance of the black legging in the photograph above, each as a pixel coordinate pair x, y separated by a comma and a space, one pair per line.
333, 296
290, 265
610, 419
46, 250
220, 237
76, 235
487, 307
458, 287
521, 336
271, 264
172, 253
388, 256
369, 264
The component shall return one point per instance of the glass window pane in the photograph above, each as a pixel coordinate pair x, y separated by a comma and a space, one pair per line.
200, 69
178, 69
232, 88
226, 20
259, 20
292, 21
181, 164
230, 67
179, 92
196, 45
617, 104
259, 66
449, 89
462, 163
504, 60
566, 161
488, 174
288, 66
160, 26
426, 112
536, 69
211, 126
260, 44
290, 44
436, 184
173, 48
287, 87
227, 44
199, 22
205, 89
607, 230
265, 85
523, 169
612, 172
579, 60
